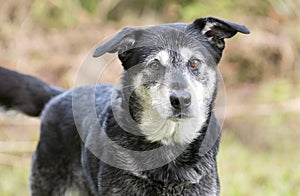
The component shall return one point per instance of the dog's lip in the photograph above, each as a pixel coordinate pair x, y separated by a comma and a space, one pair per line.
180, 116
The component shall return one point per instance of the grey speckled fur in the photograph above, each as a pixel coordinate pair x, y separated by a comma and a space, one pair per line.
83, 144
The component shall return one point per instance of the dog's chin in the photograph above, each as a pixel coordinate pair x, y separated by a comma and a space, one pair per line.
175, 128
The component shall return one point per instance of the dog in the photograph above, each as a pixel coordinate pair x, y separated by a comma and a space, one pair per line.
156, 134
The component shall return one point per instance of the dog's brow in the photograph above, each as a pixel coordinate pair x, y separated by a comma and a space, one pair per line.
187, 54
163, 57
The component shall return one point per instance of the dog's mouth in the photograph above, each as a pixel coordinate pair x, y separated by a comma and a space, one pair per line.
180, 116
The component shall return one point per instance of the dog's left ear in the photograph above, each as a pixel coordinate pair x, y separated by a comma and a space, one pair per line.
216, 30
124, 40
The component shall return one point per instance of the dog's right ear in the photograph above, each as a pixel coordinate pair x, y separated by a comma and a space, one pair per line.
216, 30
123, 41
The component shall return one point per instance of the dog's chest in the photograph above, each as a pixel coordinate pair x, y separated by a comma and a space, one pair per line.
150, 188
128, 184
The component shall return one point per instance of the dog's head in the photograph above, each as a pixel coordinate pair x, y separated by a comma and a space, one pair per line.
170, 75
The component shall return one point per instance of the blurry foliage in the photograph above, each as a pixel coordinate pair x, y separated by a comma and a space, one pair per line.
65, 12
277, 91
14, 180
225, 7
246, 69
89, 5
274, 49
199, 8
54, 13
257, 172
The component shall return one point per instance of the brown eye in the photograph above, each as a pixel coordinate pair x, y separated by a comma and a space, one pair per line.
194, 63
154, 65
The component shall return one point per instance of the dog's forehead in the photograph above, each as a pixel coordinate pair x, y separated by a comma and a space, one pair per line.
172, 37
164, 36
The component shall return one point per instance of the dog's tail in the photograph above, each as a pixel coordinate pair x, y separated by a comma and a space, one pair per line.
24, 93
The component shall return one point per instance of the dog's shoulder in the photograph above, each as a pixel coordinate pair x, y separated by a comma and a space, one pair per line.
72, 109
79, 98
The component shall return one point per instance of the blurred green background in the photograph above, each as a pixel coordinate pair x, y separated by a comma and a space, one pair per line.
259, 151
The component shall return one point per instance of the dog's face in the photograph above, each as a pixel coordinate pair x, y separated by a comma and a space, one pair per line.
173, 84
170, 75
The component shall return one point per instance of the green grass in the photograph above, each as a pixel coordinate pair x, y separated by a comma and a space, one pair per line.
249, 171
14, 180
277, 91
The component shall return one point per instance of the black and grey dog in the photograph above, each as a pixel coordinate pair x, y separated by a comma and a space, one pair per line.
156, 134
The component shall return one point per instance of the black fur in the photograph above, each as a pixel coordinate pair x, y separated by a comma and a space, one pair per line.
24, 93
73, 138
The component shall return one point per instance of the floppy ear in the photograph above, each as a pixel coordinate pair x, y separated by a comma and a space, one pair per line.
216, 30
123, 41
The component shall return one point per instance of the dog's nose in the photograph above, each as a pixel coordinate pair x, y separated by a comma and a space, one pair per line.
180, 99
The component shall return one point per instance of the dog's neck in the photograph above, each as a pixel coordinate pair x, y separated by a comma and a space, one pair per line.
190, 166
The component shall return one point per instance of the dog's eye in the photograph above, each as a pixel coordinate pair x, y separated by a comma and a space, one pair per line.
154, 65
194, 63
